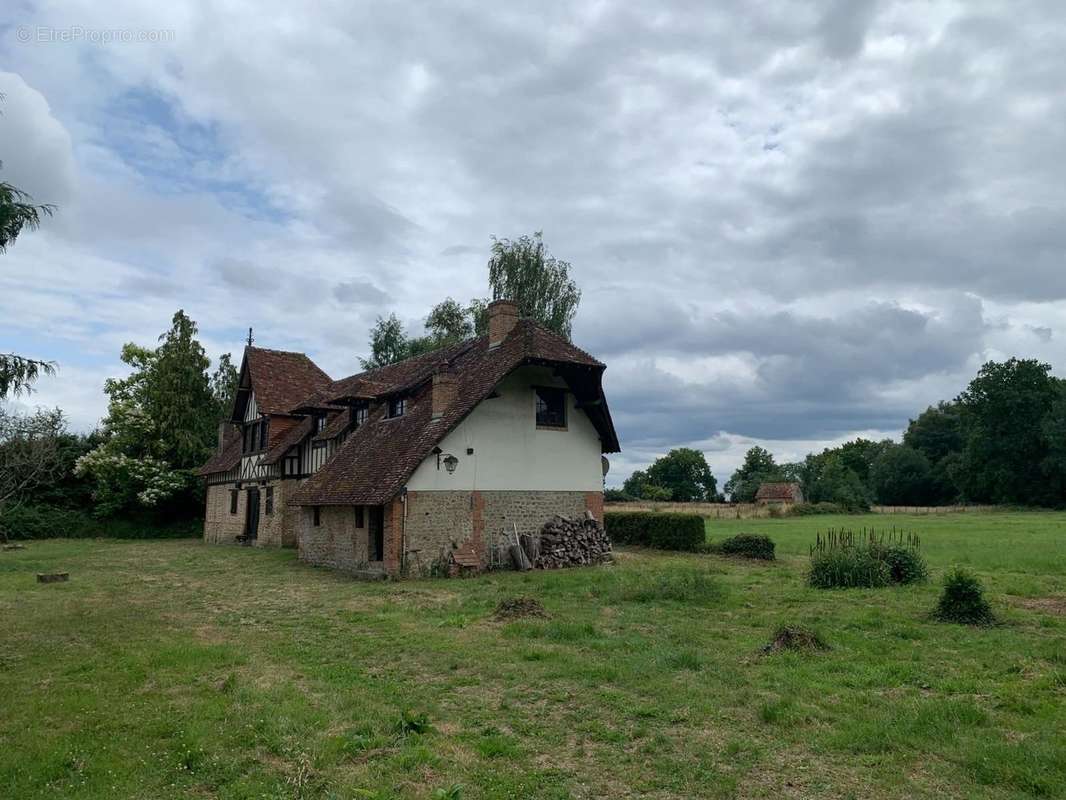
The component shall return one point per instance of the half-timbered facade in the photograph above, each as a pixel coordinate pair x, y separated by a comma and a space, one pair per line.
398, 469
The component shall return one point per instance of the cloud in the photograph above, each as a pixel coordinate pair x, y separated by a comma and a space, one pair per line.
359, 293
790, 222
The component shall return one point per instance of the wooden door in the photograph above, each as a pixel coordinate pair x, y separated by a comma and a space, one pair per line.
251, 530
375, 525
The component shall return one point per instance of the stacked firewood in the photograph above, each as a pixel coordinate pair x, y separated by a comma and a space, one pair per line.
566, 542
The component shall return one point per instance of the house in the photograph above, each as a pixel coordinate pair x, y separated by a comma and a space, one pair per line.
775, 494
395, 469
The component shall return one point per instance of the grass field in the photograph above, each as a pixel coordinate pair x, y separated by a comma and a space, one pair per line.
172, 669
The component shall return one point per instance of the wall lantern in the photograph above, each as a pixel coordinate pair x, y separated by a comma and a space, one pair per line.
450, 463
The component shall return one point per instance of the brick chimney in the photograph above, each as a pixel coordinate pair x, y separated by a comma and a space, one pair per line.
445, 390
223, 429
503, 316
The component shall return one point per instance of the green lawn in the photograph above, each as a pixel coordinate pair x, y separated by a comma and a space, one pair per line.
171, 668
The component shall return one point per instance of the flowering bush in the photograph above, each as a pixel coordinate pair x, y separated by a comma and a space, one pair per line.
122, 482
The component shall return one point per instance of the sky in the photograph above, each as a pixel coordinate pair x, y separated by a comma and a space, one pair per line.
792, 222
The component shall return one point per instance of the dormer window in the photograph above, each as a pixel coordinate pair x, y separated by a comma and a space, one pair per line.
397, 407
320, 423
551, 408
264, 435
360, 414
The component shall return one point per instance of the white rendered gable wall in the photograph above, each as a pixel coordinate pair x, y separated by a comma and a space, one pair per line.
510, 452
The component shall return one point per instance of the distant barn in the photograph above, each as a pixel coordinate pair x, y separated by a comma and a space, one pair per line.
773, 494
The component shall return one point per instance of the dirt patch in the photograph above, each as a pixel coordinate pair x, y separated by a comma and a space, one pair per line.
1047, 605
519, 608
795, 639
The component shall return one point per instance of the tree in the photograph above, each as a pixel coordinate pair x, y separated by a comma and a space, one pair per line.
1004, 451
448, 323
832, 481
17, 212
160, 425
178, 396
524, 271
18, 373
900, 476
224, 387
936, 432
685, 473
388, 343
758, 468
30, 454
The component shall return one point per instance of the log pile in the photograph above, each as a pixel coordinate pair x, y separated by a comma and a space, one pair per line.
566, 542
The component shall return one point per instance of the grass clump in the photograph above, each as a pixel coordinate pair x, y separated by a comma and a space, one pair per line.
848, 568
963, 600
844, 559
413, 724
748, 545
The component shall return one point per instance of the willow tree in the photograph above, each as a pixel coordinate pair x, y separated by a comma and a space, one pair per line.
525, 271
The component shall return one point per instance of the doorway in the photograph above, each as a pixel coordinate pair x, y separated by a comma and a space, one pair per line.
375, 525
251, 529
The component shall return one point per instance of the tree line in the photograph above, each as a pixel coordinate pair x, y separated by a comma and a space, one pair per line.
1000, 441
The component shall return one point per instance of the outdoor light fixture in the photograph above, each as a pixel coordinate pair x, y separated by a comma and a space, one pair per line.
450, 463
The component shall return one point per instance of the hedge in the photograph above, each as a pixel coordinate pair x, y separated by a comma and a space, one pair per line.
51, 522
661, 530
748, 545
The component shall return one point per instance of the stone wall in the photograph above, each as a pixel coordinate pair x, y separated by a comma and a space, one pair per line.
338, 543
435, 522
438, 520
275, 530
219, 525
335, 542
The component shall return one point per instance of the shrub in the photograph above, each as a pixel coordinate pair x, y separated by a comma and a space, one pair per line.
51, 522
868, 558
664, 531
748, 545
905, 564
963, 600
848, 568
811, 509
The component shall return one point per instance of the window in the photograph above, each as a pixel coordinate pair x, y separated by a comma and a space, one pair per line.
317, 516
320, 423
551, 408
360, 414
292, 465
269, 504
263, 435
360, 522
233, 501
397, 406
246, 446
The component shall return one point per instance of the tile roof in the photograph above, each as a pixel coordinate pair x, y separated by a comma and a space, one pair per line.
292, 437
778, 491
281, 379
378, 457
228, 457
